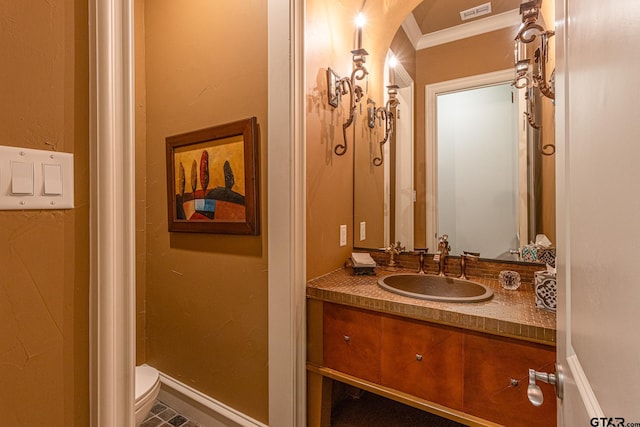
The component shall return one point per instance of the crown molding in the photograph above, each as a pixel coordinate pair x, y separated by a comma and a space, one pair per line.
462, 31
412, 30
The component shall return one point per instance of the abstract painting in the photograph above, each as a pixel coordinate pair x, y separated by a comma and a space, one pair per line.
212, 179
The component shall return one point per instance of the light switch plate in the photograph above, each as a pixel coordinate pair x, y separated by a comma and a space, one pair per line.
363, 231
58, 183
343, 235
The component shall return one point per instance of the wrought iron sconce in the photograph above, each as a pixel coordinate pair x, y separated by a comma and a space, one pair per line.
338, 87
530, 99
386, 117
530, 29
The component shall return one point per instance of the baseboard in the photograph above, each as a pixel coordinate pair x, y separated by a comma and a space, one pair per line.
201, 408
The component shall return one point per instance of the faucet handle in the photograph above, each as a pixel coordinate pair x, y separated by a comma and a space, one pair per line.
443, 243
421, 252
465, 255
471, 255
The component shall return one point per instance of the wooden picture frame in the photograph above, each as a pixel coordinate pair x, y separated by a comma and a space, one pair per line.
212, 179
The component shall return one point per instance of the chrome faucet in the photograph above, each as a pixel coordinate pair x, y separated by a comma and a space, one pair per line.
464, 257
443, 251
394, 249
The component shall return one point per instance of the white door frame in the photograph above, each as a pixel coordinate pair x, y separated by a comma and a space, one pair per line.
112, 217
431, 137
287, 224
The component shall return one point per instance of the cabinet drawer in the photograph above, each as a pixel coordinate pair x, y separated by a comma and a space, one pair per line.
490, 365
351, 340
423, 360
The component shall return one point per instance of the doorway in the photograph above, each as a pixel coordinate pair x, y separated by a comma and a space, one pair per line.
478, 169
485, 166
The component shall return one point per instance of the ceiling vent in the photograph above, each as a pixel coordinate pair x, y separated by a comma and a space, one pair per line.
475, 12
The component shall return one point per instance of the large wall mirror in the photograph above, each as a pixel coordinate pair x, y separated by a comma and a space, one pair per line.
464, 160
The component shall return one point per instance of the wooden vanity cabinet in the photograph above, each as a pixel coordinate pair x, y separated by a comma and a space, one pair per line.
478, 376
496, 380
352, 341
423, 360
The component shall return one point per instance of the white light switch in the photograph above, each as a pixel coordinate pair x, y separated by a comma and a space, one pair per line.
52, 176
343, 235
35, 179
363, 230
21, 178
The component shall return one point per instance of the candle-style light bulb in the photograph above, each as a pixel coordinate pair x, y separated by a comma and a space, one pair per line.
360, 21
393, 62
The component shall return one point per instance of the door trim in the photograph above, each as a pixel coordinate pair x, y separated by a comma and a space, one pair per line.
287, 225
112, 214
587, 396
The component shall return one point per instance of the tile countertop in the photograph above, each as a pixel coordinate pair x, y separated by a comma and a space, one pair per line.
508, 313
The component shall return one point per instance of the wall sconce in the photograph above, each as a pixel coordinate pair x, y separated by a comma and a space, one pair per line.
526, 77
385, 114
337, 87
529, 97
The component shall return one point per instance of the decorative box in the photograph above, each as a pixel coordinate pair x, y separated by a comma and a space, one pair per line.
545, 289
535, 253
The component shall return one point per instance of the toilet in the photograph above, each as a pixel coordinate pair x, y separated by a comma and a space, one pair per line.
147, 389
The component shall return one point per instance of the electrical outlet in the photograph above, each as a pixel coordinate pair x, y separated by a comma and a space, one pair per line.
343, 235
363, 231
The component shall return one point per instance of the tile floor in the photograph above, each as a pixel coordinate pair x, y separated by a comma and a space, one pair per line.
162, 415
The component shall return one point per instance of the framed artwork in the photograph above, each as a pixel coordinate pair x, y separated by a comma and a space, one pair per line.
212, 179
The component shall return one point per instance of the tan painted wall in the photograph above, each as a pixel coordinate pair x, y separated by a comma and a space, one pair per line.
206, 294
467, 57
44, 255
329, 39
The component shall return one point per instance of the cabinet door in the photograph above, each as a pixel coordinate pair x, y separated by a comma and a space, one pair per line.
352, 341
423, 360
491, 363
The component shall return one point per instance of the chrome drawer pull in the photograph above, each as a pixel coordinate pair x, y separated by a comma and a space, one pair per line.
347, 338
419, 357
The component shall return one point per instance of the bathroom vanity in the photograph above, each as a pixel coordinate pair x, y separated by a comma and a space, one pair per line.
467, 362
